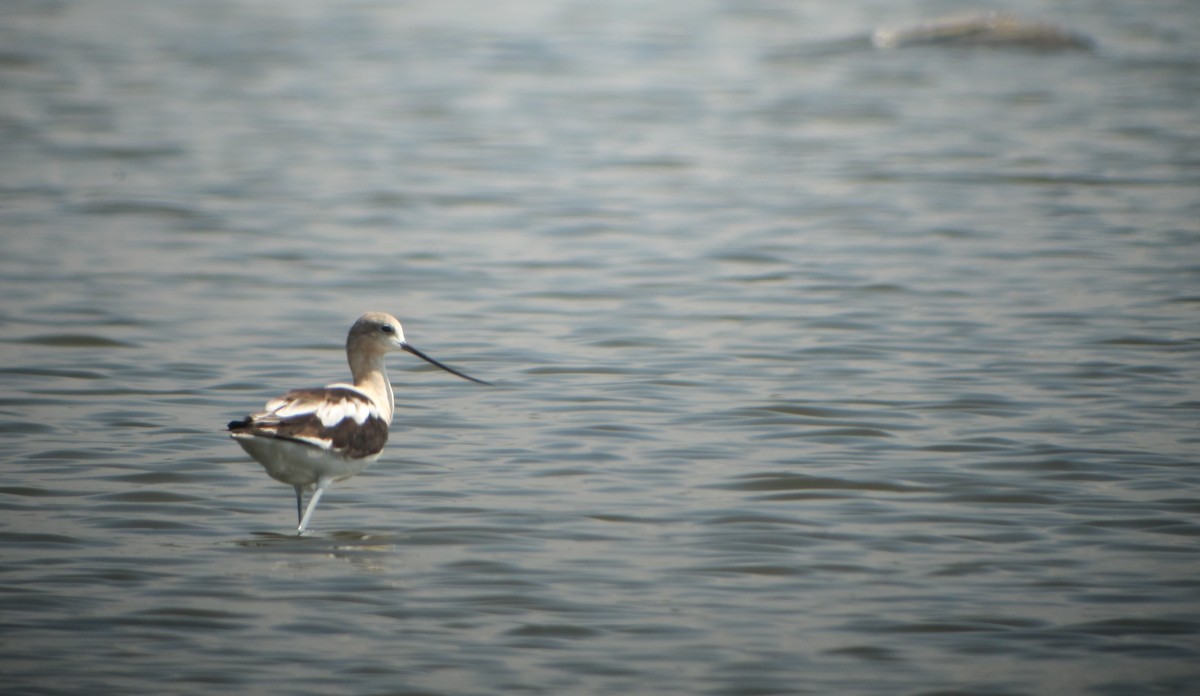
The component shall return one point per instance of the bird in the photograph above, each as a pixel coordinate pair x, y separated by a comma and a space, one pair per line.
311, 438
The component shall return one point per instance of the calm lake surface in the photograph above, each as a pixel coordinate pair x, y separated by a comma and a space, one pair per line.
819, 369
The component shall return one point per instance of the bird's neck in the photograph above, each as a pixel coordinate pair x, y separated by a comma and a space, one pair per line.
370, 377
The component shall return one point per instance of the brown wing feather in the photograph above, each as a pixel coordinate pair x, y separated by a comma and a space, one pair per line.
302, 416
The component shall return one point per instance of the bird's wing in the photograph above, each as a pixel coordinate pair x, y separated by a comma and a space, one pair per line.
336, 419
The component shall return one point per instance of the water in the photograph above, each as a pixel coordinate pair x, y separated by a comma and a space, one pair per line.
818, 371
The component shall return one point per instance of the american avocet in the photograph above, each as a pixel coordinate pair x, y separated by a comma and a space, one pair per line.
310, 438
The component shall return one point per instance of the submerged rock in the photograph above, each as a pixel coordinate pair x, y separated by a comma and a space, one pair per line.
983, 29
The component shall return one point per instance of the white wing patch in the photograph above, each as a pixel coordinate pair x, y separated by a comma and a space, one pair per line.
333, 412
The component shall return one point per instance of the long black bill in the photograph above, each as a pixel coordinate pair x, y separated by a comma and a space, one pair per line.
447, 368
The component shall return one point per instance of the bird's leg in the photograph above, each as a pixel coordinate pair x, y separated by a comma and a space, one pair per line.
299, 506
322, 484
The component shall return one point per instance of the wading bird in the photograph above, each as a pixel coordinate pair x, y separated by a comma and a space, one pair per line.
309, 438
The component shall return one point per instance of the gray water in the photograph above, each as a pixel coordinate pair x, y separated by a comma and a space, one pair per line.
818, 371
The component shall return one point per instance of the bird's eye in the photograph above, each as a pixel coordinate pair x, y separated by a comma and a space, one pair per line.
387, 329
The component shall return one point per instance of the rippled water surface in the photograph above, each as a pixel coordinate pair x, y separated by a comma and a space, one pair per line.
820, 369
